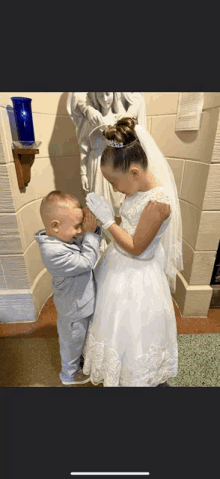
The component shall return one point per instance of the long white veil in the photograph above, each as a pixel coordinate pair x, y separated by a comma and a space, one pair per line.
172, 236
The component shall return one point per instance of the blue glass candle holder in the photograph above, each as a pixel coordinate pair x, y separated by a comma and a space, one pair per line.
23, 118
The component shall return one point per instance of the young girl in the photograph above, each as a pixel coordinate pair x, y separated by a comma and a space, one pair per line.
132, 340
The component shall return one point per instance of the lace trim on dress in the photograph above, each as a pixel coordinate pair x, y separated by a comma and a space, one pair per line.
131, 213
101, 362
154, 196
104, 365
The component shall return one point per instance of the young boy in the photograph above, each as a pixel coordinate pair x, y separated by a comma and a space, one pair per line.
70, 259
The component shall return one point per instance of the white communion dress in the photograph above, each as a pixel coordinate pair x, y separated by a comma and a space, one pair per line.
132, 339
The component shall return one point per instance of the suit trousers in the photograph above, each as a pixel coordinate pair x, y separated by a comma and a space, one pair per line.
72, 336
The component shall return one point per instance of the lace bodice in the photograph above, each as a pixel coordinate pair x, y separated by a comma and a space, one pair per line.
131, 211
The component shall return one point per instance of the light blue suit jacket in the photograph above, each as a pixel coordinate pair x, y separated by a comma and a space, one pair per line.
71, 266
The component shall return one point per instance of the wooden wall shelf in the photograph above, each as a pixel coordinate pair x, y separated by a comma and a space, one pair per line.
24, 159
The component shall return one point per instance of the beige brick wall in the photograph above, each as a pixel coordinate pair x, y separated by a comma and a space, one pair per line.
193, 157
55, 167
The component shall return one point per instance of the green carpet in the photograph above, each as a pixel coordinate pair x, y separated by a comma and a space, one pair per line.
35, 362
198, 361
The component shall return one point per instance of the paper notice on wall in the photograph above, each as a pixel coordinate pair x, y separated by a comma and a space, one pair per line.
189, 111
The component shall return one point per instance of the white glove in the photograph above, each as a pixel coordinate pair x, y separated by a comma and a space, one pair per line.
102, 209
85, 183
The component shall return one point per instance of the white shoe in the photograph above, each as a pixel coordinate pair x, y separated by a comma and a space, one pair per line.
80, 378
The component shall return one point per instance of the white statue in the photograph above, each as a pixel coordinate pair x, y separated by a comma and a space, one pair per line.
88, 110
81, 104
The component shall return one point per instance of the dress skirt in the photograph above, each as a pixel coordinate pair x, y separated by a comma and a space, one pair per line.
132, 339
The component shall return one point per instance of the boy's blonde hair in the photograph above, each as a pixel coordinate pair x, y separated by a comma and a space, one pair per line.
54, 199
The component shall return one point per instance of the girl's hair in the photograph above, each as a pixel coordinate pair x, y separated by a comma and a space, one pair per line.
121, 158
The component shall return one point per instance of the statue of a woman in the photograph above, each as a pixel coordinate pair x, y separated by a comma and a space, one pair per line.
88, 110
83, 104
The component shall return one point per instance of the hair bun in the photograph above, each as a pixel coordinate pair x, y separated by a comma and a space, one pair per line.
128, 123
123, 131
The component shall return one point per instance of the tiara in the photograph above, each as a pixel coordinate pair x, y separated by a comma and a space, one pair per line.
114, 144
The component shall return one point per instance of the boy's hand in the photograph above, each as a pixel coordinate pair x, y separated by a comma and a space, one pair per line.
89, 222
